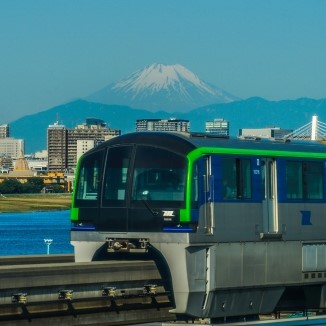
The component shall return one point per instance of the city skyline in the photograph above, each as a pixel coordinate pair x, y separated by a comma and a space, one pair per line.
54, 52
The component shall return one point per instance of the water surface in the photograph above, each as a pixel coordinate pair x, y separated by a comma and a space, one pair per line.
24, 233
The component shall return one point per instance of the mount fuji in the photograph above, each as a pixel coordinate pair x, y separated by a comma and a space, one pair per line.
158, 87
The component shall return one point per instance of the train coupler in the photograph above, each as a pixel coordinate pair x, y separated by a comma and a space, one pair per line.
128, 245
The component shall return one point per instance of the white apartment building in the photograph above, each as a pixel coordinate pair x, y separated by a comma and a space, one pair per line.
12, 147
84, 145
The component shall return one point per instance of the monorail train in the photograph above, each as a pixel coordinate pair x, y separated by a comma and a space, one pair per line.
240, 225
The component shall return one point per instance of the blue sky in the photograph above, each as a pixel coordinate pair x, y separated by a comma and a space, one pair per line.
54, 51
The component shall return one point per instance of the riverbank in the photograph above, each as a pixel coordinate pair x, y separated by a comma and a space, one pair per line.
34, 202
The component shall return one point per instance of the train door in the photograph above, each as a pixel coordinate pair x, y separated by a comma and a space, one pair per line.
269, 195
202, 193
209, 196
87, 192
114, 213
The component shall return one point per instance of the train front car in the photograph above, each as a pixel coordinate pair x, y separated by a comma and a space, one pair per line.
239, 224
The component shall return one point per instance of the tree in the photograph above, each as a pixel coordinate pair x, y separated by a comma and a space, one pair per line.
58, 189
34, 184
11, 186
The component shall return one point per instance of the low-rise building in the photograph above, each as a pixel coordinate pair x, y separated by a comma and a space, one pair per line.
269, 133
219, 127
172, 124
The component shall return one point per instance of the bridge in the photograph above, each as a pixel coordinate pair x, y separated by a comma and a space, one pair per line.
313, 130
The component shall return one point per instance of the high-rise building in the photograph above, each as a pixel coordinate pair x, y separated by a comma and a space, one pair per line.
57, 147
162, 125
4, 131
93, 129
218, 127
63, 142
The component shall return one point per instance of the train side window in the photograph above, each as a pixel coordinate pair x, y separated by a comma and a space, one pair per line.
304, 180
294, 180
229, 173
313, 179
115, 179
89, 177
236, 178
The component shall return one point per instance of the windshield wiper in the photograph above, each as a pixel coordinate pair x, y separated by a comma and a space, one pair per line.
144, 199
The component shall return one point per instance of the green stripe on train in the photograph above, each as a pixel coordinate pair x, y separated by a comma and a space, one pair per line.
185, 216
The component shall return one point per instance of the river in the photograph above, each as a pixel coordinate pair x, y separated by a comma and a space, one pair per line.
24, 233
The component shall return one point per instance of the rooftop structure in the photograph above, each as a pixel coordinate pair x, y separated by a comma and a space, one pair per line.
21, 164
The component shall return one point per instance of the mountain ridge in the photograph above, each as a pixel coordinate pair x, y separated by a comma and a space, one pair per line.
253, 112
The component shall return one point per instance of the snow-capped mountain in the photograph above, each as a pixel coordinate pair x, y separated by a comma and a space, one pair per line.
171, 88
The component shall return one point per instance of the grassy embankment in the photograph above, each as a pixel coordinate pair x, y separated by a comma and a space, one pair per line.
34, 202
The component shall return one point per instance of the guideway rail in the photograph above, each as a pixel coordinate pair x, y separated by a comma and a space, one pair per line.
36, 259
108, 293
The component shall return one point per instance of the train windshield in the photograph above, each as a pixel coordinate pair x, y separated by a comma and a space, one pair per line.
159, 175
89, 178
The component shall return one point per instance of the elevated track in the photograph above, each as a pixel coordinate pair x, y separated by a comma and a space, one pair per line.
50, 290
54, 290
